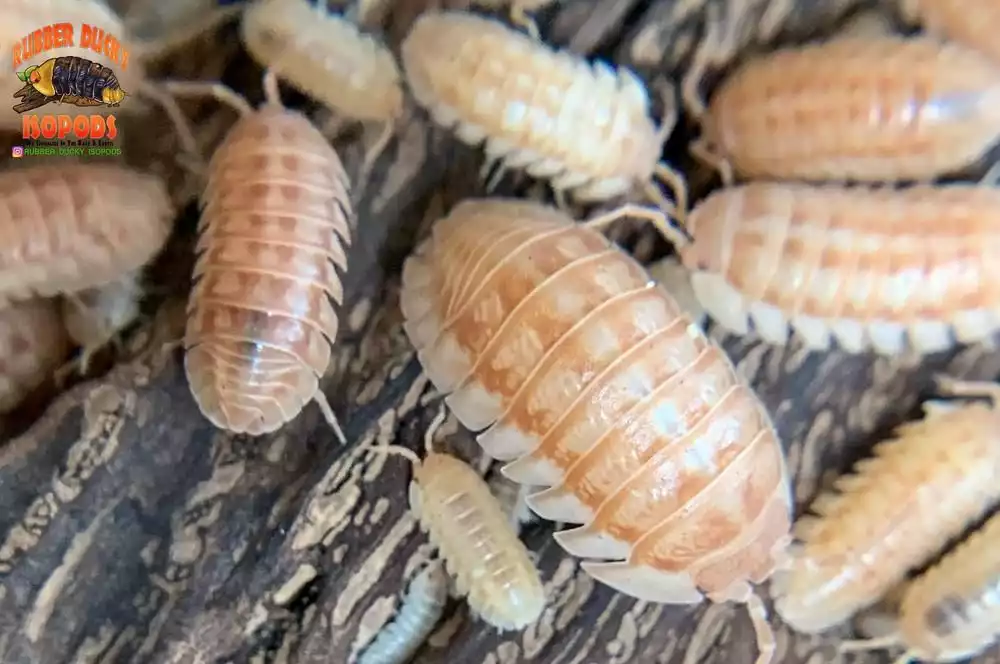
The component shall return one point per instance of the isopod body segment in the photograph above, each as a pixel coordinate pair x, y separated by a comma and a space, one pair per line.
582, 369
33, 345
878, 269
873, 109
70, 227
274, 228
583, 127
893, 514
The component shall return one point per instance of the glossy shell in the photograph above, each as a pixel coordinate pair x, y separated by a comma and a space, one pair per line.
324, 56
93, 317
260, 317
489, 563
888, 517
33, 345
952, 611
874, 269
585, 127
23, 17
867, 109
974, 23
589, 375
420, 611
72, 226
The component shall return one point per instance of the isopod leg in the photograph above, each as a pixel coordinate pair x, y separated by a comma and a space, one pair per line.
521, 19
329, 415
658, 219
222, 93
701, 151
969, 388
766, 644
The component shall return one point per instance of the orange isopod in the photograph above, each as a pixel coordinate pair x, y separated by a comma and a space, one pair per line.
878, 269
69, 227
952, 611
33, 346
588, 374
971, 22
584, 127
274, 228
873, 109
888, 517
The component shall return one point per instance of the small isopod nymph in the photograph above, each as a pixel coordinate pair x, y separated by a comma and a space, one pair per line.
574, 365
33, 346
328, 58
481, 551
584, 127
420, 611
951, 612
96, 316
275, 225
878, 269
894, 513
875, 109
70, 227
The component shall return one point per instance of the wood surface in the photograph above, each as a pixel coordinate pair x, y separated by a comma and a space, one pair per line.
133, 531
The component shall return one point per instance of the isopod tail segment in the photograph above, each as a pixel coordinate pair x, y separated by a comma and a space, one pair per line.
715, 45
272, 97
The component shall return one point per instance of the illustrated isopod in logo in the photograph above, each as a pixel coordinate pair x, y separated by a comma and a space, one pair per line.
68, 80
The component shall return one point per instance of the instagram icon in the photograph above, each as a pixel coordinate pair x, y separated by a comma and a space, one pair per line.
17, 151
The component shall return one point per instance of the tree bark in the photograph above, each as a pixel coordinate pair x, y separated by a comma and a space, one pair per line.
133, 531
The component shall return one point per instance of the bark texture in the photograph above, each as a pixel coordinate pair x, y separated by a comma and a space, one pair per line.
132, 531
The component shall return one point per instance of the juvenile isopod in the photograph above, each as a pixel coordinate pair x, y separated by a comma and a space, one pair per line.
33, 345
894, 513
873, 109
275, 223
96, 316
872, 268
70, 227
327, 57
951, 612
584, 127
420, 611
489, 564
579, 366
973, 23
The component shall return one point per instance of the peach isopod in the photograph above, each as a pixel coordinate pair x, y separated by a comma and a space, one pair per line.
274, 228
872, 268
872, 109
69, 227
33, 345
970, 22
582, 369
888, 517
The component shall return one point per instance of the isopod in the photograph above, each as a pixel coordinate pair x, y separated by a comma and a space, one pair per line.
273, 231
481, 551
70, 227
584, 127
33, 345
950, 612
897, 510
420, 611
95, 317
872, 268
327, 57
591, 376
876, 109
973, 23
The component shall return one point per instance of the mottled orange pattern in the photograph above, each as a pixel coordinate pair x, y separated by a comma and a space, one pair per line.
69, 227
875, 109
274, 227
589, 377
